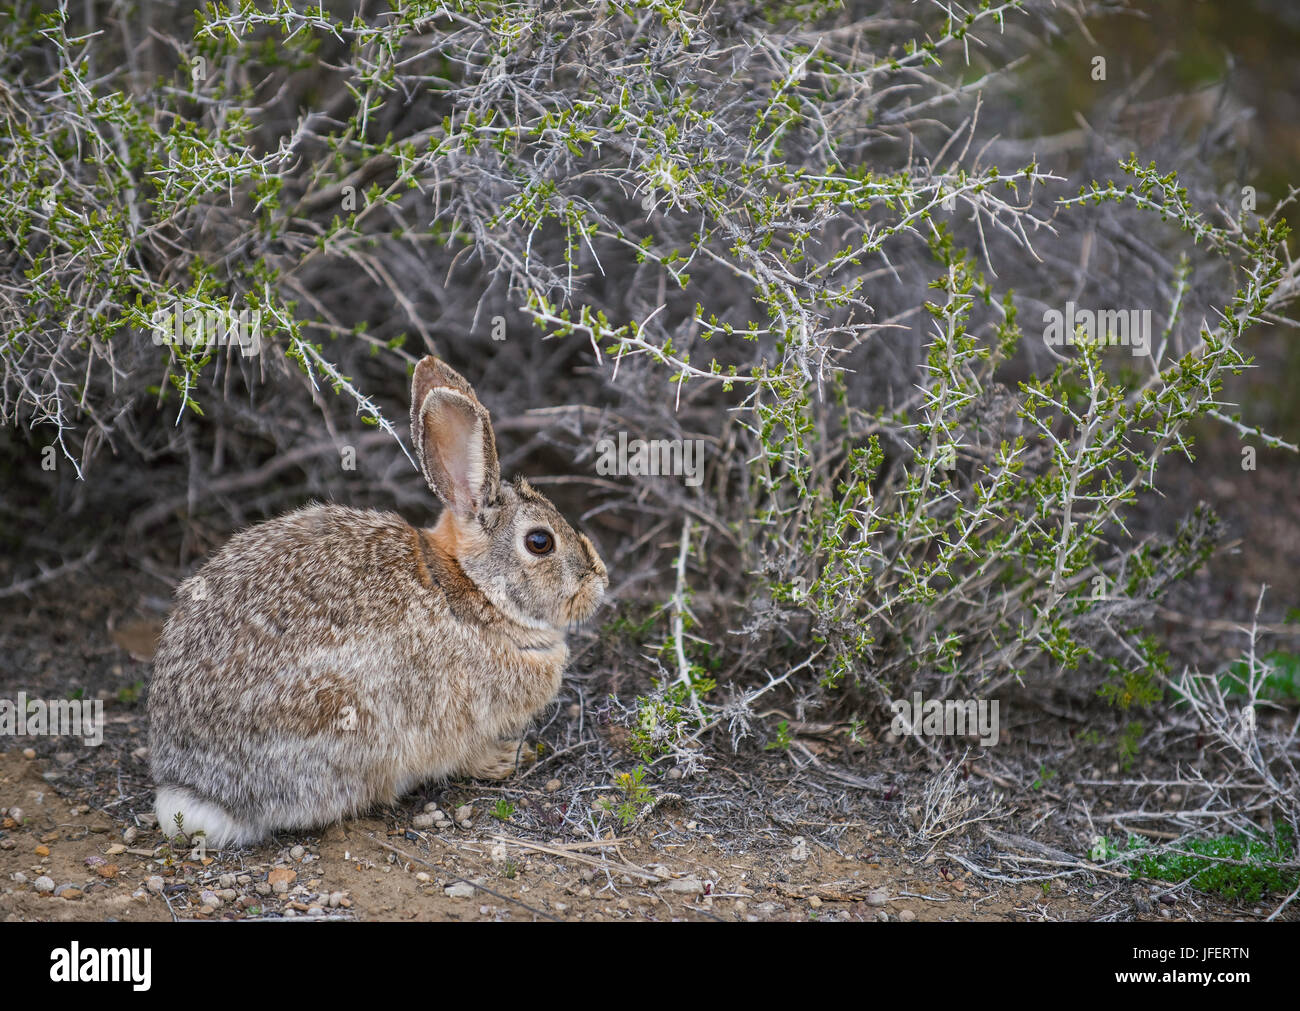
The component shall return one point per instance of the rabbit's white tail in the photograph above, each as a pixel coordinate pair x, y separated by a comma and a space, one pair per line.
218, 826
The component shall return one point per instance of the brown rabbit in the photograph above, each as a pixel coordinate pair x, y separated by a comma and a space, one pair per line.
334, 658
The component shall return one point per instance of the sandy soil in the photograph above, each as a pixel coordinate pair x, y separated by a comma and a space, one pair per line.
381, 868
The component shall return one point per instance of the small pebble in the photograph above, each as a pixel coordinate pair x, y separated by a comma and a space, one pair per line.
553, 785
227, 881
882, 916
210, 898
423, 821
336, 898
815, 902
19, 877
16, 813
464, 813
877, 897
431, 808
423, 878
460, 890
906, 915
297, 853
43, 884
155, 884
130, 835
29, 753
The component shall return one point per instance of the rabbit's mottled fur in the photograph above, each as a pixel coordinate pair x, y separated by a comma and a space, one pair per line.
334, 658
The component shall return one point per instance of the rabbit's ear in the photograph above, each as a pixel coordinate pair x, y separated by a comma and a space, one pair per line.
453, 439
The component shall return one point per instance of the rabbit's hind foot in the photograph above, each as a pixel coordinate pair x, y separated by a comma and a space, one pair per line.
500, 760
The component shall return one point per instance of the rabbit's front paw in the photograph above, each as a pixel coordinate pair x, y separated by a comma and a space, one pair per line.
501, 759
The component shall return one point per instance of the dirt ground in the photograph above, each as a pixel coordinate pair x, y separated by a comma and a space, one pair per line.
382, 868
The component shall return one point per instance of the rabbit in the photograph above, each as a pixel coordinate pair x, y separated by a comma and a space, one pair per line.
333, 658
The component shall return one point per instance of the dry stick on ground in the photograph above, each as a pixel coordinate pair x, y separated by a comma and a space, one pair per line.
504, 898
24, 586
620, 867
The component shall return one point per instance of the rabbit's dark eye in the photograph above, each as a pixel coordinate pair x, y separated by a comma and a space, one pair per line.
539, 542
